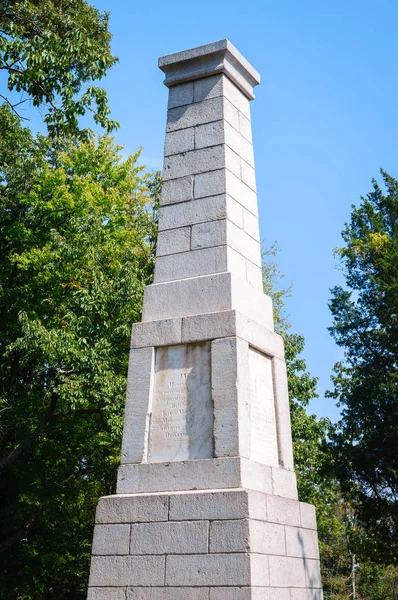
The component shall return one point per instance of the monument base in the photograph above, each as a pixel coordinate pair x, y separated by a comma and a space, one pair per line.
231, 544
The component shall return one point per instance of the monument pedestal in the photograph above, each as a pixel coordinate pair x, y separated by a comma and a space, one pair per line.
206, 505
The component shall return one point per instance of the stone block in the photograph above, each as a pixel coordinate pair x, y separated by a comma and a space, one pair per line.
177, 190
132, 509
254, 275
245, 127
139, 388
179, 141
236, 264
208, 87
156, 333
234, 211
230, 113
184, 475
260, 337
313, 573
230, 397
196, 161
205, 261
127, 570
282, 407
259, 570
283, 510
236, 97
238, 143
232, 504
284, 483
203, 210
230, 536
206, 235
256, 476
248, 175
209, 134
287, 572
168, 593
211, 183
180, 94
208, 327
251, 302
199, 295
232, 161
250, 224
302, 542
241, 192
111, 539
108, 593
186, 537
243, 243
267, 538
306, 594
308, 516
249, 593
195, 114
208, 570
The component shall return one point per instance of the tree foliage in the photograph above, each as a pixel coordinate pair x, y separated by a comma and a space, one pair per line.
77, 236
365, 324
52, 52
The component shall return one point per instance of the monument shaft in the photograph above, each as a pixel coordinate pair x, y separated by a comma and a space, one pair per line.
206, 505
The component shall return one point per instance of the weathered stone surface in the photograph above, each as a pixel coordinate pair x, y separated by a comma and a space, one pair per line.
127, 570
301, 542
285, 446
179, 141
182, 412
205, 261
168, 593
187, 537
284, 483
180, 95
111, 539
209, 505
208, 569
306, 594
177, 190
308, 516
132, 509
156, 333
287, 572
205, 235
100, 593
173, 241
283, 510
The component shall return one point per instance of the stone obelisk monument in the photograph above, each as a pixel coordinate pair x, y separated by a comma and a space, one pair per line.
206, 505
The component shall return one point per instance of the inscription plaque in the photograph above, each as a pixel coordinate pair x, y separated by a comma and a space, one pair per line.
264, 445
181, 425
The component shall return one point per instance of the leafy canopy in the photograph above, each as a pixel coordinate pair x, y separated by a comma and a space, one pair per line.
77, 237
51, 52
365, 324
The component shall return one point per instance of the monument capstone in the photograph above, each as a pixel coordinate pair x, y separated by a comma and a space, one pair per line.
206, 505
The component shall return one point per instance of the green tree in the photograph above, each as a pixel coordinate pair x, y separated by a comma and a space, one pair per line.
51, 52
365, 324
77, 234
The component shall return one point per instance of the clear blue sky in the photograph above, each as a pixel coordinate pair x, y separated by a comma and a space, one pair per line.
325, 120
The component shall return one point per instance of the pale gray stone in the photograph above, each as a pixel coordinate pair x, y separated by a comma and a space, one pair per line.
282, 406
208, 87
190, 213
259, 570
208, 327
205, 235
111, 539
185, 475
236, 264
308, 515
99, 593
205, 261
263, 436
287, 572
230, 113
179, 141
313, 573
232, 161
139, 382
210, 134
196, 161
302, 542
211, 183
206, 60
173, 241
306, 594
283, 510
254, 275
236, 97
230, 536
127, 570
248, 175
177, 190
250, 224
183, 117
156, 333
233, 504
249, 593
238, 143
199, 295
170, 538
256, 476
182, 411
132, 509
234, 211
180, 94
208, 569
168, 593
245, 127
259, 337
241, 192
